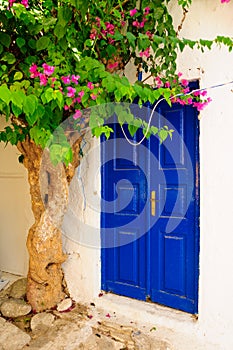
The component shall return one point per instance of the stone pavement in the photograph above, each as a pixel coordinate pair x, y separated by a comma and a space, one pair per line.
98, 325
75, 330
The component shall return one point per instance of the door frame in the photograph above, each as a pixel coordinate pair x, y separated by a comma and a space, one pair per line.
193, 85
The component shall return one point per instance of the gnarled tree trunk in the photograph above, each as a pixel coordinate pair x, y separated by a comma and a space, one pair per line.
49, 197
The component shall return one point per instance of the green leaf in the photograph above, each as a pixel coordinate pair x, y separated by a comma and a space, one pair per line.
42, 43
40, 135
32, 43
29, 107
163, 134
9, 58
111, 50
49, 94
18, 98
132, 129
131, 37
59, 31
18, 76
59, 98
5, 39
5, 94
64, 15
20, 42
118, 36
154, 130
88, 42
16, 110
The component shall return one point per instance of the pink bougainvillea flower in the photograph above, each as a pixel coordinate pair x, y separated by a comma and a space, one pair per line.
184, 82
77, 114
173, 99
149, 34
136, 24
186, 90
222, 1
75, 78
111, 41
81, 93
123, 23
112, 65
199, 106
133, 12
93, 96
33, 71
110, 28
25, 3
43, 79
97, 21
71, 91
180, 74
203, 93
158, 82
48, 70
145, 53
108, 315
93, 34
78, 99
11, 2
146, 10
190, 100
90, 85
167, 84
66, 80
181, 102
141, 24
66, 108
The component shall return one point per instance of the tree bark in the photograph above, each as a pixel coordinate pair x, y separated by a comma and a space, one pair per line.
49, 197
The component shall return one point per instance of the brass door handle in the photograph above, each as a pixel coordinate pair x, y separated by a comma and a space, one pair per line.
153, 203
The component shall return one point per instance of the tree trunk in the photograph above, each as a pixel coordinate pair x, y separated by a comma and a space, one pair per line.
49, 197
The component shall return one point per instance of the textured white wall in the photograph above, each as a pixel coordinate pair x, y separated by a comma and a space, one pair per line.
208, 19
205, 19
15, 211
81, 227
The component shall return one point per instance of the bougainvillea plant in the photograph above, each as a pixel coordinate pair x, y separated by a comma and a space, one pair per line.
58, 59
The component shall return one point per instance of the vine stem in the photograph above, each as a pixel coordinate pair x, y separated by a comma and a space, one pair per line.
180, 26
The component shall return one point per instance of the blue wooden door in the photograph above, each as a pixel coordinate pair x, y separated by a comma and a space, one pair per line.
150, 217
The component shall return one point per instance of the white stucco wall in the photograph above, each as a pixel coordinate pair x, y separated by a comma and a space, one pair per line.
81, 227
205, 19
209, 19
15, 211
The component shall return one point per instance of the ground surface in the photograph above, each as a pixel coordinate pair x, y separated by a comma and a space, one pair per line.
93, 326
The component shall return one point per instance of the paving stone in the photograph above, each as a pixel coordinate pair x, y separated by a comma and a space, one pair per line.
64, 305
2, 300
18, 288
11, 337
143, 342
42, 321
15, 308
120, 333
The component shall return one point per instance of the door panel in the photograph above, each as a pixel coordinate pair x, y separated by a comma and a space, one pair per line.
124, 195
152, 252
